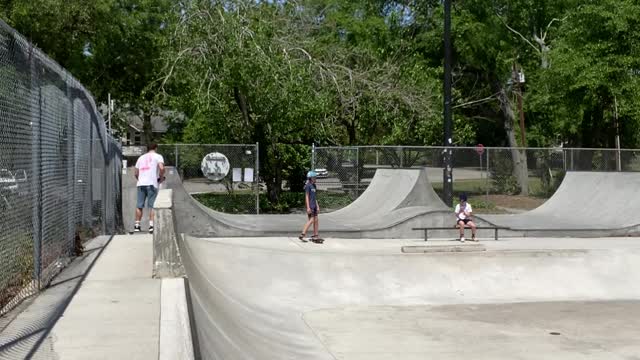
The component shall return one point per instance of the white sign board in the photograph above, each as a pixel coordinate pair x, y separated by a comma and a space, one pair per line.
215, 166
237, 174
248, 175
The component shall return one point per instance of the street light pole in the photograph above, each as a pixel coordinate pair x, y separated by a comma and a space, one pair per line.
448, 126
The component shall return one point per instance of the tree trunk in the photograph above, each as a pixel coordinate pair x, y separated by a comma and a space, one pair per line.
350, 126
241, 101
544, 51
147, 128
274, 186
519, 158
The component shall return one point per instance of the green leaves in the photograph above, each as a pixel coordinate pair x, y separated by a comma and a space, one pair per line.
351, 72
111, 46
593, 69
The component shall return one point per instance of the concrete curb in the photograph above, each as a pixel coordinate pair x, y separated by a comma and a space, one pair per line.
166, 255
176, 341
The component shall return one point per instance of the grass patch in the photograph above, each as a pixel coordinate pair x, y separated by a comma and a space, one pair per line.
245, 202
482, 206
17, 254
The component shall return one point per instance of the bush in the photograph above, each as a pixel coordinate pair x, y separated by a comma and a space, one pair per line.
244, 203
550, 182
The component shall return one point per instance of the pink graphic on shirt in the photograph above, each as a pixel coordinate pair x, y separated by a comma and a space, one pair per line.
146, 163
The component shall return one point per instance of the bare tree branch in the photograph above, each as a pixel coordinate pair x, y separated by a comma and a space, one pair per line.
518, 33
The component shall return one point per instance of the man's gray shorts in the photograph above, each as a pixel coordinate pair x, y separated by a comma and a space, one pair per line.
148, 193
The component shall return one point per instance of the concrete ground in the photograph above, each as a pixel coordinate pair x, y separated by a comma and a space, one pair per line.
356, 299
116, 312
546, 330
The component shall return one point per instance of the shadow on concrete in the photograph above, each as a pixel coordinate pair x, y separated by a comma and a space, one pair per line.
26, 336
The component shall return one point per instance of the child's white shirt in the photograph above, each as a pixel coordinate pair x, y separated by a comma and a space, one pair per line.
461, 215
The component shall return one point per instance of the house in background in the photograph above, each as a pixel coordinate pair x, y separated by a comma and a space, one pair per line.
134, 134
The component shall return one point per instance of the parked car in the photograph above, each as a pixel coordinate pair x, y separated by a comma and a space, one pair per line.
8, 181
22, 180
322, 173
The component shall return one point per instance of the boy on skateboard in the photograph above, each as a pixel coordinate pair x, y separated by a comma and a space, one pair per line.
312, 208
463, 214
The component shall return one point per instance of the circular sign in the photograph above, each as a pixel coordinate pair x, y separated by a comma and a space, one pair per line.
480, 149
215, 166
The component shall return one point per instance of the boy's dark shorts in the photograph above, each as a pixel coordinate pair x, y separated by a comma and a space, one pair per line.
313, 213
466, 221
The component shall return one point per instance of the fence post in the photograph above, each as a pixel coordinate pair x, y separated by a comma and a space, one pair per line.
313, 156
257, 177
572, 168
36, 178
176, 155
487, 177
105, 193
71, 173
357, 171
90, 178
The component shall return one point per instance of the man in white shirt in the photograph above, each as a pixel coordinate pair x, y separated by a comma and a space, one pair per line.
149, 173
463, 213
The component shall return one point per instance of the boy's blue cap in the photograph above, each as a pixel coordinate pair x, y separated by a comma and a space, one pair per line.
463, 197
311, 174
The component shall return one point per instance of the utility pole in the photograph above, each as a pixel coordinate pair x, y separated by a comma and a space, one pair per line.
517, 82
615, 114
447, 184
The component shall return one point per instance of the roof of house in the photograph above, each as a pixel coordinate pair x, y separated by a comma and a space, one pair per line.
158, 125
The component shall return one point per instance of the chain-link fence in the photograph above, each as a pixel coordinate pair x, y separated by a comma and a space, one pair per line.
59, 169
230, 181
501, 179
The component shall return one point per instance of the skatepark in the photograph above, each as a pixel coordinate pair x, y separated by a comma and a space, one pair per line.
561, 282
239, 101
258, 293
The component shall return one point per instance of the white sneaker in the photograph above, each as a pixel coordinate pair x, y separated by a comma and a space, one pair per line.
462, 239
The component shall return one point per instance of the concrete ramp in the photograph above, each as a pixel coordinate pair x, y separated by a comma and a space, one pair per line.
252, 298
585, 204
393, 189
387, 209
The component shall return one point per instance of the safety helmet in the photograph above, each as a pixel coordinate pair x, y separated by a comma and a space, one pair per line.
311, 174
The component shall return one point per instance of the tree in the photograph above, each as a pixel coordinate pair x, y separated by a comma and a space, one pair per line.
111, 46
240, 75
594, 65
289, 73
